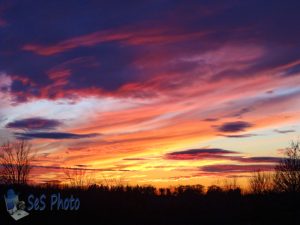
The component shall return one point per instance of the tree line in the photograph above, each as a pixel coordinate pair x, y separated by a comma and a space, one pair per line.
286, 175
16, 164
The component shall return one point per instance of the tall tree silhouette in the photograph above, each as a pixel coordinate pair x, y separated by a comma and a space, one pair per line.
287, 172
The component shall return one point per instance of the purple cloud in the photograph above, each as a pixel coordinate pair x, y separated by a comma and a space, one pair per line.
259, 159
192, 154
232, 168
35, 123
53, 135
236, 126
122, 41
218, 154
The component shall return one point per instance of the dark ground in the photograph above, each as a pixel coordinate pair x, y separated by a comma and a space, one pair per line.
143, 206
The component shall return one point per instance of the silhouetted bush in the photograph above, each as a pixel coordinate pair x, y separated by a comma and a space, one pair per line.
214, 190
261, 182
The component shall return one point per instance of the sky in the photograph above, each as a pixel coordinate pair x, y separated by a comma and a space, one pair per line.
150, 92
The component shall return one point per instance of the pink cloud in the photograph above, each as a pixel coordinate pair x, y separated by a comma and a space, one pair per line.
130, 36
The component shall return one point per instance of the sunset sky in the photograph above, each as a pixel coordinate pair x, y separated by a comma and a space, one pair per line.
150, 92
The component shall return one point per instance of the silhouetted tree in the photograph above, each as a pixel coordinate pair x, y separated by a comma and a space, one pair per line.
230, 184
261, 182
287, 172
112, 181
162, 191
189, 190
15, 161
78, 177
214, 190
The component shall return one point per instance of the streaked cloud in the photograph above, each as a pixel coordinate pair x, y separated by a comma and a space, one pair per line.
198, 154
239, 135
233, 168
284, 131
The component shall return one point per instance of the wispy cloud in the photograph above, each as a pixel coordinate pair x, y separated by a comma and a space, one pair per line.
239, 135
233, 168
284, 131
192, 154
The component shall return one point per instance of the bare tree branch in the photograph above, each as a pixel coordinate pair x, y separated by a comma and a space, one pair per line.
287, 175
261, 183
79, 177
15, 162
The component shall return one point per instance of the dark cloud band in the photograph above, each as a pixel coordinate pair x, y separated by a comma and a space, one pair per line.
35, 123
53, 135
218, 154
236, 126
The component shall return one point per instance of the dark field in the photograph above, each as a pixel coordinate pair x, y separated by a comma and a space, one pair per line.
146, 205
